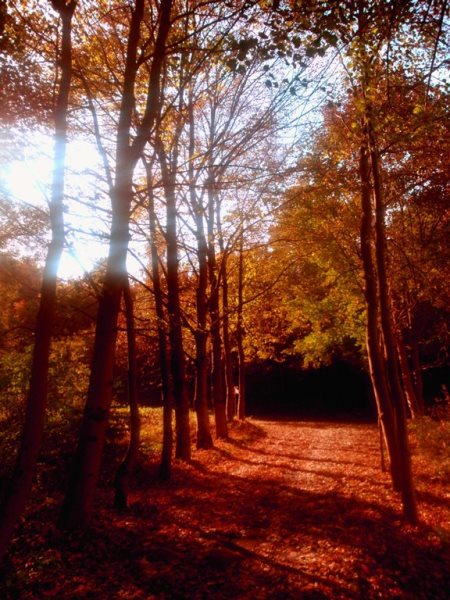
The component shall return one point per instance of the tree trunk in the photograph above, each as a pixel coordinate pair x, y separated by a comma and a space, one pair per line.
78, 503
407, 487
126, 468
376, 362
204, 439
229, 380
217, 366
240, 333
408, 386
417, 372
418, 377
18, 492
382, 443
164, 366
178, 366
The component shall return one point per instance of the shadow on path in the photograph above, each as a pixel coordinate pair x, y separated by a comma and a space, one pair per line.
247, 521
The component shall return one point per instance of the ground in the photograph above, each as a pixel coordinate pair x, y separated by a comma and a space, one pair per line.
280, 510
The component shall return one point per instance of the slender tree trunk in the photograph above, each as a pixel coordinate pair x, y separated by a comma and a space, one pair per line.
376, 362
240, 333
18, 492
164, 365
408, 386
407, 487
178, 368
77, 506
218, 395
382, 443
204, 439
229, 380
78, 502
417, 372
126, 468
217, 380
178, 363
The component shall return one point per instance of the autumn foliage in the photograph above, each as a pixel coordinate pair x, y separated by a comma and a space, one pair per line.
255, 196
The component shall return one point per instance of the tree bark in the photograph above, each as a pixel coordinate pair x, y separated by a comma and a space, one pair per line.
19, 489
407, 487
78, 503
126, 468
229, 380
240, 333
204, 439
417, 372
415, 407
217, 366
416, 367
177, 362
165, 469
376, 362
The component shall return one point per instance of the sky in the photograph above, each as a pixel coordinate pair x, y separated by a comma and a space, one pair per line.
28, 181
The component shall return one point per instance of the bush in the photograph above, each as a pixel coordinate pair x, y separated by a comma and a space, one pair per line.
432, 437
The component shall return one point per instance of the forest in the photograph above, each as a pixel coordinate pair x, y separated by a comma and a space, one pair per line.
225, 308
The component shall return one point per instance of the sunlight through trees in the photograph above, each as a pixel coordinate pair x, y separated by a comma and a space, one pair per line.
258, 195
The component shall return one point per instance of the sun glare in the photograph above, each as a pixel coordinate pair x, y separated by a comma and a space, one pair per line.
28, 181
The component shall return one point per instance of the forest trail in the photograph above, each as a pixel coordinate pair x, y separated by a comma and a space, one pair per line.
289, 510
281, 510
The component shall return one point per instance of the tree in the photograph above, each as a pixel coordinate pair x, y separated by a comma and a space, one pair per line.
383, 349
22, 29
240, 332
126, 467
77, 506
164, 363
178, 369
19, 489
365, 34
192, 149
204, 439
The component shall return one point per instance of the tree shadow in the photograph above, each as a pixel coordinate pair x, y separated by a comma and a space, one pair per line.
290, 468
293, 456
209, 533
239, 514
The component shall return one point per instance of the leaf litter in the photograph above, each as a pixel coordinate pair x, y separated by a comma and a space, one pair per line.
280, 510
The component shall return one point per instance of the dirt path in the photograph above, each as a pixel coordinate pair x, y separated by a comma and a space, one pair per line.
291, 510
282, 510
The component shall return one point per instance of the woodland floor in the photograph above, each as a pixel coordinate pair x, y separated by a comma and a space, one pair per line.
281, 510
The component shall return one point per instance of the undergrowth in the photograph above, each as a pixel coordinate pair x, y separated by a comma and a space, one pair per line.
431, 435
